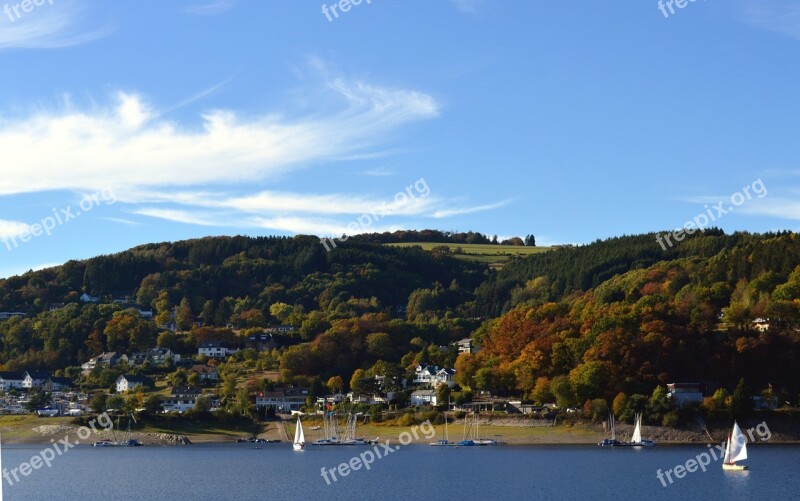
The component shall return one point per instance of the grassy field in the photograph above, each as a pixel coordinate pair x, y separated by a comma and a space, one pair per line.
493, 255
504, 434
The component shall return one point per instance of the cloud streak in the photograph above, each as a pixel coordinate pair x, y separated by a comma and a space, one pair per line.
48, 26
128, 145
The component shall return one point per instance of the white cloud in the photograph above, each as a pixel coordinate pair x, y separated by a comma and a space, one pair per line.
210, 9
12, 228
772, 207
781, 16
469, 210
204, 174
128, 145
48, 26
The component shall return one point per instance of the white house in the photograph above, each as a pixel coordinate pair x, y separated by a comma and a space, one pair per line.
127, 382
35, 379
424, 374
433, 376
215, 349
685, 393
464, 346
109, 359
86, 298
11, 380
423, 397
444, 376
6, 315
182, 399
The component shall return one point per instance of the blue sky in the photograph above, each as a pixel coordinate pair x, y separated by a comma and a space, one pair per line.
570, 120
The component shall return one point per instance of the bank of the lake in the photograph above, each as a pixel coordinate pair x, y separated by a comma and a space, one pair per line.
511, 431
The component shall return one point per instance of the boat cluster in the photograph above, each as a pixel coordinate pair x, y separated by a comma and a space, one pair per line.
636, 439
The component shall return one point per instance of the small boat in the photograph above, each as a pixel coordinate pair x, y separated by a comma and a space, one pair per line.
611, 442
735, 450
334, 436
636, 439
445, 442
299, 437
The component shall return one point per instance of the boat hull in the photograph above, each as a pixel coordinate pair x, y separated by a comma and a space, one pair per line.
734, 467
297, 447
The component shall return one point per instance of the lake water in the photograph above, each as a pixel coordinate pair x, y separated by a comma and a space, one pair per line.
242, 472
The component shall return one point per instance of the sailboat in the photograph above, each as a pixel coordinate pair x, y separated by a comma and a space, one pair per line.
467, 442
478, 439
299, 437
735, 450
636, 439
611, 442
446, 439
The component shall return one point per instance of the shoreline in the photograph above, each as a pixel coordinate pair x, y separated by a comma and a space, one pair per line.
40, 431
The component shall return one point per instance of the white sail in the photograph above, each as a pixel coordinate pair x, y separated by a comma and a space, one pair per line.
299, 436
637, 431
738, 445
727, 451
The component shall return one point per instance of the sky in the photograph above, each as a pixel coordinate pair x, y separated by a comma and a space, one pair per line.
125, 123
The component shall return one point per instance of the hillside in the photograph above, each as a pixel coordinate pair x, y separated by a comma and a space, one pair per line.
572, 324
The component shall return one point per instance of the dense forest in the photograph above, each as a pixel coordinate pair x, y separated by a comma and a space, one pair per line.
619, 315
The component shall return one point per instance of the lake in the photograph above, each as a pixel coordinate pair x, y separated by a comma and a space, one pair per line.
273, 471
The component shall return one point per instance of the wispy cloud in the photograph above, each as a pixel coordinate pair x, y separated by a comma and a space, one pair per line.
469, 210
128, 145
122, 221
11, 228
206, 173
48, 26
211, 8
773, 207
781, 16
467, 6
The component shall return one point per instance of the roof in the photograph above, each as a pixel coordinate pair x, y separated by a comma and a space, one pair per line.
63, 381
12, 375
204, 369
424, 393
214, 344
37, 374
143, 380
186, 390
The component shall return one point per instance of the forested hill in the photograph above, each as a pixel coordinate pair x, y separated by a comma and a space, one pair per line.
296, 270
730, 258
616, 315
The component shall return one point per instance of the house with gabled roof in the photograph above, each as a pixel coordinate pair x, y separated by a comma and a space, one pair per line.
182, 398
128, 382
35, 379
11, 380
